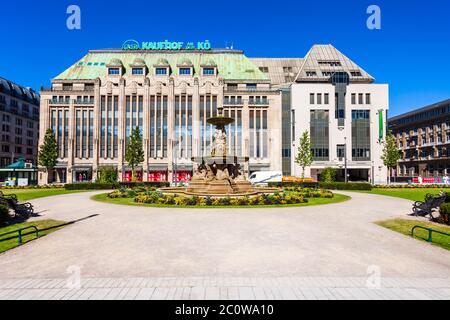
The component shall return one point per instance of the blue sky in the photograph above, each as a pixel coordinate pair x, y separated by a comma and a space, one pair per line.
411, 52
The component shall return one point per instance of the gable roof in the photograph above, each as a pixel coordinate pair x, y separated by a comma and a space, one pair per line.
280, 70
323, 60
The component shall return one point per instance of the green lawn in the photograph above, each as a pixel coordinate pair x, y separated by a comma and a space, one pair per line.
29, 194
409, 194
311, 202
405, 226
44, 226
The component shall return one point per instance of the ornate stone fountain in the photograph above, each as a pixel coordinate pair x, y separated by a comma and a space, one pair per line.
220, 174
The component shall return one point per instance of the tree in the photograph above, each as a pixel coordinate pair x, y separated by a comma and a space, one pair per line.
135, 153
328, 175
304, 156
48, 151
391, 155
107, 175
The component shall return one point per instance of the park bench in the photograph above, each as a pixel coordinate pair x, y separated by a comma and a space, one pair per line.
21, 210
424, 208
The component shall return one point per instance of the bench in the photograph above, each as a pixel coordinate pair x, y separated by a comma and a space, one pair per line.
424, 208
21, 210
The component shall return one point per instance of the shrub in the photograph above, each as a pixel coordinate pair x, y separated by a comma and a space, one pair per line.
346, 186
155, 185
107, 175
328, 175
445, 213
91, 186
4, 215
322, 185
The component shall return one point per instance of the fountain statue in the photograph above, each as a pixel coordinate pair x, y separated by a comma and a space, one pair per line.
219, 174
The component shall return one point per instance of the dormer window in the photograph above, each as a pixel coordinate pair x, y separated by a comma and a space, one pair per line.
137, 71
113, 71
161, 71
185, 71
209, 71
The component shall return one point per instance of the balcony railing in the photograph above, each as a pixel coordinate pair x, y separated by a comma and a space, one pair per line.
233, 103
250, 90
59, 102
258, 103
83, 102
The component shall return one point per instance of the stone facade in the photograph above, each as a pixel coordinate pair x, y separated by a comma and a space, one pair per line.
19, 116
423, 137
93, 106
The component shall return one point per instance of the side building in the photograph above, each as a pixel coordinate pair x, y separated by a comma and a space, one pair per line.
344, 111
19, 116
93, 106
423, 137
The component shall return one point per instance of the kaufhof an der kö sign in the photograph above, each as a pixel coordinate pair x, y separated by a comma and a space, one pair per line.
166, 45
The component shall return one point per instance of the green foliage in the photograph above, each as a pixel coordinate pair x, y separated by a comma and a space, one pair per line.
328, 175
304, 156
445, 213
135, 153
48, 152
4, 215
144, 184
391, 155
297, 196
107, 175
328, 186
91, 186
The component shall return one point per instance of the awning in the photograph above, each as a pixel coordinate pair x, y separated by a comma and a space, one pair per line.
158, 167
183, 167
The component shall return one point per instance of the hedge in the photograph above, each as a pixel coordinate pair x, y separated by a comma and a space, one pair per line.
91, 186
117, 185
329, 186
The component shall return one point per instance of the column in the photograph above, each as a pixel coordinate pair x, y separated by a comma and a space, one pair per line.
196, 125
122, 111
71, 144
97, 127
146, 126
246, 135
170, 128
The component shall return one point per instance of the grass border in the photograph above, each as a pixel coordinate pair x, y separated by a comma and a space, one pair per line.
400, 225
338, 198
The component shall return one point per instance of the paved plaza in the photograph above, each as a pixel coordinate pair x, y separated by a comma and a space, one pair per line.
127, 252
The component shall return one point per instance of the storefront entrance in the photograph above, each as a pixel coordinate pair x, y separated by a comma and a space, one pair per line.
182, 176
157, 176
128, 176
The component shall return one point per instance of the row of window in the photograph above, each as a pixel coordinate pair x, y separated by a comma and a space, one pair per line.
316, 98
424, 115
160, 71
319, 133
361, 98
17, 149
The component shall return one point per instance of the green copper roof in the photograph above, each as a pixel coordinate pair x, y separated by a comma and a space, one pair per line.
19, 164
230, 65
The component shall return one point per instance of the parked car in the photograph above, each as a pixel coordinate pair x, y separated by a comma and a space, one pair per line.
264, 177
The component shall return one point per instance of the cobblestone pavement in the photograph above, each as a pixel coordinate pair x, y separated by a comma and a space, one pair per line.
317, 252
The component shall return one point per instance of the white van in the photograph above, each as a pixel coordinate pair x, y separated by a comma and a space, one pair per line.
264, 177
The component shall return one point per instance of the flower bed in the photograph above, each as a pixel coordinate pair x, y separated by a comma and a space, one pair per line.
292, 195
